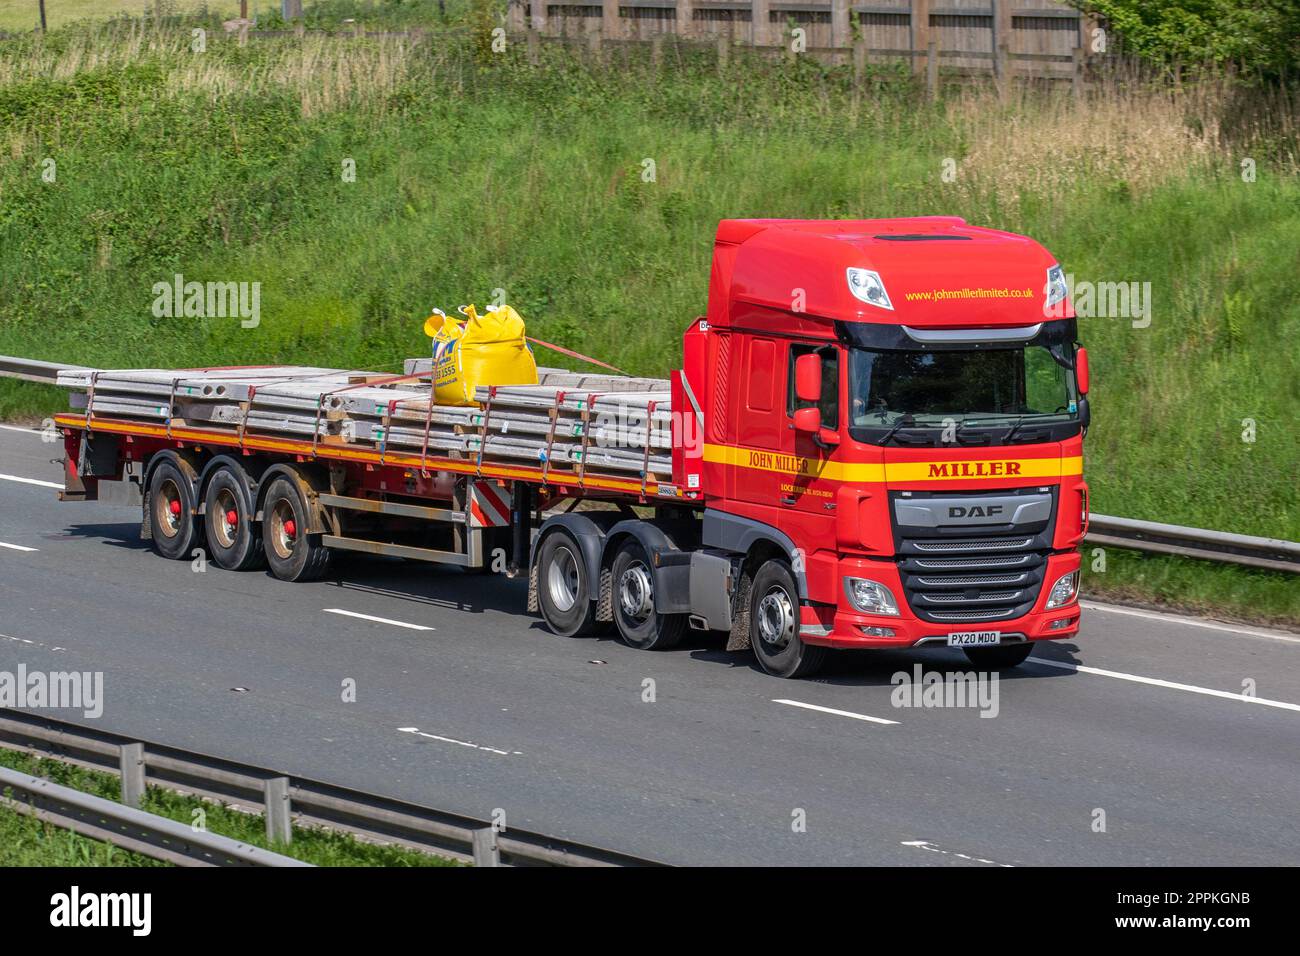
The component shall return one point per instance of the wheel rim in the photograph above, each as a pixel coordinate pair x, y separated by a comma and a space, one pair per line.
284, 529
168, 508
776, 618
636, 592
225, 521
562, 579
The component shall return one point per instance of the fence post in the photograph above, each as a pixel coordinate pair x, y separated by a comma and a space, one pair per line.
291, 9
724, 52
1076, 72
685, 22
759, 14
657, 50
131, 763
534, 47
486, 851
859, 59
594, 45
920, 18
515, 17
610, 27
841, 38
1000, 41
932, 69
276, 797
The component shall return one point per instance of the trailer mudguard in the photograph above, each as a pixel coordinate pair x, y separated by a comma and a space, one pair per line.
589, 530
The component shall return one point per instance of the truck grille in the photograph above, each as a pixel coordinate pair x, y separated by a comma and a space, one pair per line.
957, 575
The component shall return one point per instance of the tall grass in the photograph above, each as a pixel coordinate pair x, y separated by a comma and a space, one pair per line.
479, 173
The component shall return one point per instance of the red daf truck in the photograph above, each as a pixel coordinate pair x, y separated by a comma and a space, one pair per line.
876, 443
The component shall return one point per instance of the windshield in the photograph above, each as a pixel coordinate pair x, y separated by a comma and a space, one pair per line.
976, 395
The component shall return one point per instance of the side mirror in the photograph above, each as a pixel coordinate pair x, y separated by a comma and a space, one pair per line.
1081, 370
808, 420
808, 378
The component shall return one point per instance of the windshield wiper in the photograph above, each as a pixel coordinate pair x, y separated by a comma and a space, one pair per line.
906, 420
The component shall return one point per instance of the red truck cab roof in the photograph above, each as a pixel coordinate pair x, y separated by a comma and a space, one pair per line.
937, 271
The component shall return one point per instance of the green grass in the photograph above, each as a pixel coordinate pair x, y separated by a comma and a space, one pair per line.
24, 842
477, 172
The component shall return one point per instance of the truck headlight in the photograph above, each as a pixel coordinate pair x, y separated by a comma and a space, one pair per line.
1057, 289
1065, 590
868, 286
870, 597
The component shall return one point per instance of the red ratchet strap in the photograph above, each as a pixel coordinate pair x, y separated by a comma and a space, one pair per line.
550, 435
572, 354
586, 439
90, 397
483, 431
171, 406
645, 460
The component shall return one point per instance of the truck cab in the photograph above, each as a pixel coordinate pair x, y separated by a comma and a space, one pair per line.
892, 412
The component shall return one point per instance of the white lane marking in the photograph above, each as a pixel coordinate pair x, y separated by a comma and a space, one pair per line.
378, 620
452, 740
15, 547
1172, 685
20, 428
832, 710
31, 643
1191, 621
31, 481
927, 845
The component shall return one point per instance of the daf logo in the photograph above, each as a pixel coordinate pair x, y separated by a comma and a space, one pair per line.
974, 511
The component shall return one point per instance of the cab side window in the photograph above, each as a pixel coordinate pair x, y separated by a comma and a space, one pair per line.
830, 400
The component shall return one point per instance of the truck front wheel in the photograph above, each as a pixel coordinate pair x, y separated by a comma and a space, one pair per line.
564, 593
639, 624
292, 553
774, 624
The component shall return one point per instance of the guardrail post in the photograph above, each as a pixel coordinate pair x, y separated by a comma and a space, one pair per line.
486, 851
131, 763
278, 825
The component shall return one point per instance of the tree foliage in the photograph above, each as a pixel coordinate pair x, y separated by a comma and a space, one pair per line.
1262, 36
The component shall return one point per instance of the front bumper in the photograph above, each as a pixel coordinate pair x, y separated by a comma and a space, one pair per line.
846, 627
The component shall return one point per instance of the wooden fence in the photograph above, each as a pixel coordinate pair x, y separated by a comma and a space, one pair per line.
1005, 37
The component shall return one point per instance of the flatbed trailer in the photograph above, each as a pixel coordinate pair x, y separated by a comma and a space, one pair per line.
829, 488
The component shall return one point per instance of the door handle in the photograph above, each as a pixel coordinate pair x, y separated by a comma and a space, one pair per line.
787, 501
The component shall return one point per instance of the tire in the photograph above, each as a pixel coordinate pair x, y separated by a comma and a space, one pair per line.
774, 625
173, 516
632, 603
291, 553
1000, 657
234, 540
564, 592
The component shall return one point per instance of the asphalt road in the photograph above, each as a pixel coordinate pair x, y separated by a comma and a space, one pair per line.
1141, 717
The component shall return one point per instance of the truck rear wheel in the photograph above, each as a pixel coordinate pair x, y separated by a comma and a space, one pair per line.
1000, 657
172, 511
564, 593
228, 522
633, 604
774, 624
291, 551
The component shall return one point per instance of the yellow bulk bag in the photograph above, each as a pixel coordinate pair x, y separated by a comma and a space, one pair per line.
485, 349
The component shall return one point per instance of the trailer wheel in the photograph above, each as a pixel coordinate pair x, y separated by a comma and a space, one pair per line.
563, 589
233, 539
633, 600
999, 658
291, 552
774, 625
172, 511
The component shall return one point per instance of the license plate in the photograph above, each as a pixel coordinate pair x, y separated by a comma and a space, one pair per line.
974, 638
